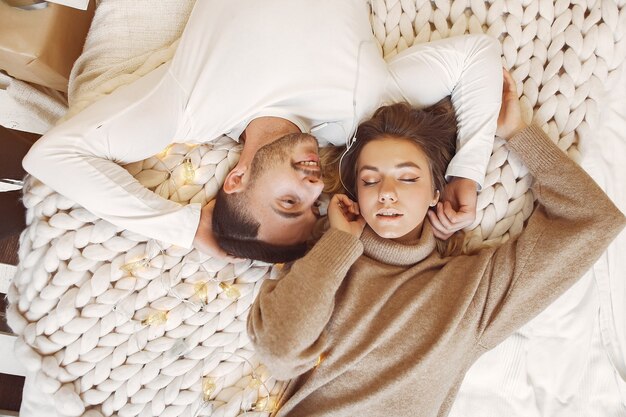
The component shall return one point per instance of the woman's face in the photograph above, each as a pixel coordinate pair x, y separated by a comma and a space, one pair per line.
395, 187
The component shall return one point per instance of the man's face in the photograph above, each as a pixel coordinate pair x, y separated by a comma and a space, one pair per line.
285, 183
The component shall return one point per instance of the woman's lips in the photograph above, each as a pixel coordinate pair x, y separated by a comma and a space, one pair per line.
388, 214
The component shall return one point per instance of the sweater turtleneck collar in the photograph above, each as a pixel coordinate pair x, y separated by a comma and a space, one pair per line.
398, 254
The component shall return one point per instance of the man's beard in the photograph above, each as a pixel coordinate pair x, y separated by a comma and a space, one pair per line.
275, 153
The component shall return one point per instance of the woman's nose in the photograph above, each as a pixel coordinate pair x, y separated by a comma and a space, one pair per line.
387, 196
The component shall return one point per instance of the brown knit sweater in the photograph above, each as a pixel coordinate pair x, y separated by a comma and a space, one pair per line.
397, 327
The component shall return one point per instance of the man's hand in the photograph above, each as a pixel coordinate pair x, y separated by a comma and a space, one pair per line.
510, 119
205, 241
343, 214
456, 210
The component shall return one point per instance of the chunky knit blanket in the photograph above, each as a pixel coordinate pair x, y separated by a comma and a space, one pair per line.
116, 324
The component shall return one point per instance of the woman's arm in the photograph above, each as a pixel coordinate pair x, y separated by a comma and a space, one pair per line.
287, 320
80, 158
572, 225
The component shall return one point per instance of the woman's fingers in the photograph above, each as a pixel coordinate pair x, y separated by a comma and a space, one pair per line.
343, 214
347, 205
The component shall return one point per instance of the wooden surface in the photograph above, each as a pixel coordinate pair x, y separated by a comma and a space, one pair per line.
14, 145
8, 249
11, 387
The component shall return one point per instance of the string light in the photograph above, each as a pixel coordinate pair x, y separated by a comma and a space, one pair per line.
188, 170
208, 387
179, 349
230, 291
155, 318
201, 292
264, 404
165, 151
132, 267
255, 383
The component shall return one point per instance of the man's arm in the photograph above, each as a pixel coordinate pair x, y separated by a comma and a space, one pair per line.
80, 158
468, 68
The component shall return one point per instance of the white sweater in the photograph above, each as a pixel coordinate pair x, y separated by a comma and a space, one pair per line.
315, 63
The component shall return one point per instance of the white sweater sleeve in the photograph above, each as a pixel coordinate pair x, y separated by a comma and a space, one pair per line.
469, 69
79, 158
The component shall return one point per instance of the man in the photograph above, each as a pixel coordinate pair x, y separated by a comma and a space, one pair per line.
264, 73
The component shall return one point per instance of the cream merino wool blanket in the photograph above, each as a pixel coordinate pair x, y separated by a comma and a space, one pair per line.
115, 324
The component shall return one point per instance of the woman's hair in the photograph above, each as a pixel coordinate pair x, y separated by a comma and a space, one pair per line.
433, 129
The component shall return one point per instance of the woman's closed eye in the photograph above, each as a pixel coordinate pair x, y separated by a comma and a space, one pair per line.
367, 183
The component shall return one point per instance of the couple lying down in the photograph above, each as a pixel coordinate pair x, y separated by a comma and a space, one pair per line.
374, 320
395, 324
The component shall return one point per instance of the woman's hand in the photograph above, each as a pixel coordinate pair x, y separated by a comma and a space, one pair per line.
205, 241
510, 119
343, 214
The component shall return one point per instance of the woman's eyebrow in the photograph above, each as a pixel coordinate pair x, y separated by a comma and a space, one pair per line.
402, 165
408, 165
368, 168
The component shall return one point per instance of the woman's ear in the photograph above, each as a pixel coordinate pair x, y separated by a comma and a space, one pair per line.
435, 198
235, 181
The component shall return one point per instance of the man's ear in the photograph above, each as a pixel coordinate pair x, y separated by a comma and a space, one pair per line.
236, 180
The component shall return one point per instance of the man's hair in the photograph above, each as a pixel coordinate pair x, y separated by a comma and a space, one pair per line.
237, 232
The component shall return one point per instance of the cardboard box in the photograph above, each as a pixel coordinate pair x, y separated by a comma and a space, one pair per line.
77, 4
41, 45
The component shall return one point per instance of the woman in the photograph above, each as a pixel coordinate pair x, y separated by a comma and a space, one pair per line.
373, 321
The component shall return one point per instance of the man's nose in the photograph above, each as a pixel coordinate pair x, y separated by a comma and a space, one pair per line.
316, 184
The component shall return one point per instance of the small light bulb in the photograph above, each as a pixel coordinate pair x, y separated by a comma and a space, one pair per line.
264, 404
208, 387
230, 291
202, 292
189, 171
179, 349
155, 318
164, 152
131, 267
254, 383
